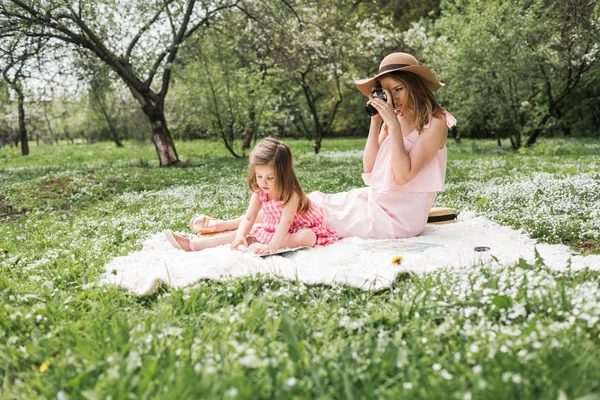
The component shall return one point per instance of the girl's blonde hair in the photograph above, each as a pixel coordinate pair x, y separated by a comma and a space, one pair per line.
276, 154
420, 101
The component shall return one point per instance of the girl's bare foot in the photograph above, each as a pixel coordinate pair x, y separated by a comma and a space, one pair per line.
179, 241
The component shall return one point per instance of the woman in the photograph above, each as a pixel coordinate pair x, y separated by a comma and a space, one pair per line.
404, 160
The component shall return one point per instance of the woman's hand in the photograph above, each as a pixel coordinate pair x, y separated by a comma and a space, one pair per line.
385, 108
264, 250
238, 241
376, 117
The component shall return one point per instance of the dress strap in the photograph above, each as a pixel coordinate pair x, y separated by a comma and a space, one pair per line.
263, 197
450, 120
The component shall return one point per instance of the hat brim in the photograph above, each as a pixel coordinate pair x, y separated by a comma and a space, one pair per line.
365, 86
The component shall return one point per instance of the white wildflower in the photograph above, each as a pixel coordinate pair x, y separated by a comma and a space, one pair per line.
291, 381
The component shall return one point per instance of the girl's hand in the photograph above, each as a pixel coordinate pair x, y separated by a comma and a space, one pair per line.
239, 240
264, 250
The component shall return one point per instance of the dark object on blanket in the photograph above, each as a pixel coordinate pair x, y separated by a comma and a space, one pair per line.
441, 215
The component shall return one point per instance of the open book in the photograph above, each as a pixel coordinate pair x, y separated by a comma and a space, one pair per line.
280, 251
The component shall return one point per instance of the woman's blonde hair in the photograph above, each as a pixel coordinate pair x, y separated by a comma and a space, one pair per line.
420, 100
278, 155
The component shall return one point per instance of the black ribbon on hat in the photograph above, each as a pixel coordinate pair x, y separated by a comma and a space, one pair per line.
392, 66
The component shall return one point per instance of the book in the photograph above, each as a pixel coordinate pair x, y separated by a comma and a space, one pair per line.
284, 251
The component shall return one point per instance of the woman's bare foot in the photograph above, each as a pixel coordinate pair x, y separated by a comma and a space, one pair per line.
203, 224
207, 226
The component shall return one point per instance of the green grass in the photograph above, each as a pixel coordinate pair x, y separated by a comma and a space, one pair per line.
491, 333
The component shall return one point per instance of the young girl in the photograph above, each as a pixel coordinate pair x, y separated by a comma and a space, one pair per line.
289, 219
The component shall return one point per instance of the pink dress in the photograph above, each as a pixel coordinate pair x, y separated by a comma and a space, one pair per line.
272, 210
383, 209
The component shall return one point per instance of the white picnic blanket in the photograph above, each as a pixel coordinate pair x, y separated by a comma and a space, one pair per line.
366, 264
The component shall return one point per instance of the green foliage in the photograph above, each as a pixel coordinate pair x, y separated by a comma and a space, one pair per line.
223, 93
580, 115
509, 65
284, 72
512, 69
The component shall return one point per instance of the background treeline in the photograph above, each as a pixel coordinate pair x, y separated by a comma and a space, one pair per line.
240, 70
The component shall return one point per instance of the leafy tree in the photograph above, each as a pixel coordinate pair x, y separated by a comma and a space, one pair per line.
512, 64
308, 50
17, 54
5, 106
225, 91
144, 60
103, 100
580, 111
403, 12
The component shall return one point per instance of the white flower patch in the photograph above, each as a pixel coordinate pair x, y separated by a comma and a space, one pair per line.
333, 155
550, 206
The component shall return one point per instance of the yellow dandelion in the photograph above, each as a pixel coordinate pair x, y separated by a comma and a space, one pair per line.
44, 366
397, 260
1, 250
591, 172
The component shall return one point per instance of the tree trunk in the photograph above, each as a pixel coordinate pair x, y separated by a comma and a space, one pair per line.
455, 134
315, 117
318, 138
515, 138
113, 130
538, 130
533, 137
22, 128
498, 138
161, 137
111, 126
251, 129
165, 148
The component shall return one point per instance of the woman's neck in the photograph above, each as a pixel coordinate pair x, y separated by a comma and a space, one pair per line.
407, 124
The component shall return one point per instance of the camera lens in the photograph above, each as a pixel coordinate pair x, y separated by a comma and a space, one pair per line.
378, 94
371, 110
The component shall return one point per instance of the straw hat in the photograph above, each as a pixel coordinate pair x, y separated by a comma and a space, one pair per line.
399, 62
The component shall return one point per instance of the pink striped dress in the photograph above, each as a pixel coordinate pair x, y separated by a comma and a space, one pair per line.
272, 210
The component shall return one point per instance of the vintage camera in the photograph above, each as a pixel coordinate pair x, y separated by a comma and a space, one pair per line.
378, 94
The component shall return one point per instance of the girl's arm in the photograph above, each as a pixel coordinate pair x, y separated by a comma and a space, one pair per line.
406, 166
283, 227
247, 221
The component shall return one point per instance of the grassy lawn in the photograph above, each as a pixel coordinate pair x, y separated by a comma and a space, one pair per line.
480, 333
